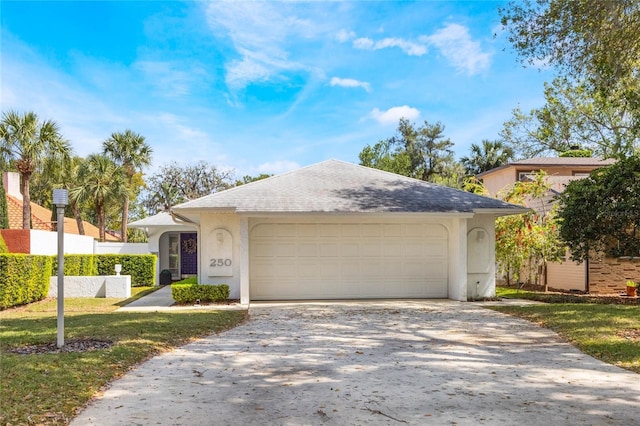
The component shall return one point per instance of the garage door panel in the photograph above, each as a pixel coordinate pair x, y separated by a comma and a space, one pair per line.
350, 249
436, 249
307, 250
393, 230
371, 249
310, 230
285, 250
286, 230
318, 261
392, 249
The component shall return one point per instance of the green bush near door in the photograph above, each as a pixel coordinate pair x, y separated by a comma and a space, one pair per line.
189, 291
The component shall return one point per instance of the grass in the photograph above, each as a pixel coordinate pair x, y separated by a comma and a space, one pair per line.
609, 332
48, 388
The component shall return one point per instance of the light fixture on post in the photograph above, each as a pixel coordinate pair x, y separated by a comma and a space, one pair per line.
60, 199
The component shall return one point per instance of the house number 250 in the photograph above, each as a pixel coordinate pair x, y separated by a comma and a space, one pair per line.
220, 262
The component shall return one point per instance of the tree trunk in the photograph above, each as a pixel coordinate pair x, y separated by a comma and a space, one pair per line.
26, 201
101, 222
76, 214
125, 217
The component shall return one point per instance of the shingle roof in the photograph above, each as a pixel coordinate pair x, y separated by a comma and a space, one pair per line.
336, 186
160, 219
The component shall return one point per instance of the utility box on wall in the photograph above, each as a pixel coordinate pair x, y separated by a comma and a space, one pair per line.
220, 251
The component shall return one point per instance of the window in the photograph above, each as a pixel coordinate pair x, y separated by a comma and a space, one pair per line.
523, 175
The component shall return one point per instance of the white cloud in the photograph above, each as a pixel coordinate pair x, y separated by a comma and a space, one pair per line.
276, 167
394, 114
408, 47
343, 36
457, 46
260, 32
364, 43
349, 82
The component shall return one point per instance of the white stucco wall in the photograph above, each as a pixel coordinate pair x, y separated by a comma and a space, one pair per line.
118, 286
46, 243
120, 248
457, 258
211, 251
481, 255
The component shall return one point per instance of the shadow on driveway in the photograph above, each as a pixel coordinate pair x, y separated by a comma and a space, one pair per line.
375, 362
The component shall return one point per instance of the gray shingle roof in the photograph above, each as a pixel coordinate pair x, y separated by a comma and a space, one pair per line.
160, 219
336, 186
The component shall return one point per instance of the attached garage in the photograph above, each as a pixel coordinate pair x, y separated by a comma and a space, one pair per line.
348, 261
335, 230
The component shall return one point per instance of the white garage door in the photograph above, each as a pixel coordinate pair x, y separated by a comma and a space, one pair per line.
335, 261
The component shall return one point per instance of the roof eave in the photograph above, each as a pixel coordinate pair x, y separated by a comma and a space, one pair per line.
502, 212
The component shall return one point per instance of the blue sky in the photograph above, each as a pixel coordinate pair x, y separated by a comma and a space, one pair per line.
261, 87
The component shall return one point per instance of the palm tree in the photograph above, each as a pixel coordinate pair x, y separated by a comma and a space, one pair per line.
26, 142
131, 152
69, 178
489, 155
100, 181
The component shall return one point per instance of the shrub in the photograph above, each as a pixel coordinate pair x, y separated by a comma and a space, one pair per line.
190, 292
3, 245
141, 267
76, 265
585, 153
23, 279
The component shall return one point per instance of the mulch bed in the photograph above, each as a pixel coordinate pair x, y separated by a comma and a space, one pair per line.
576, 297
82, 345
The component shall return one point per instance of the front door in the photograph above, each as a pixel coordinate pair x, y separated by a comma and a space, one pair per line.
188, 253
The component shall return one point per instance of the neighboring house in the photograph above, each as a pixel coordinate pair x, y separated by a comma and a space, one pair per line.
566, 275
41, 218
336, 230
566, 168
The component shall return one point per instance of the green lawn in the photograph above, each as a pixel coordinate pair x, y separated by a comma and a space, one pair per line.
49, 387
605, 331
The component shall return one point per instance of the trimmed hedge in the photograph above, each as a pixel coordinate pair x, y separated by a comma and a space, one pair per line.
23, 279
3, 245
76, 265
141, 267
190, 292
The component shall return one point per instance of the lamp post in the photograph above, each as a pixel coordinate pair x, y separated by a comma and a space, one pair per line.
60, 199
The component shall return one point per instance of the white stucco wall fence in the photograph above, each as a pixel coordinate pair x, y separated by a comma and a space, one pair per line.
118, 286
46, 243
120, 248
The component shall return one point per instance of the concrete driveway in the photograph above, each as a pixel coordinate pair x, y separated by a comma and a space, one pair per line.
387, 363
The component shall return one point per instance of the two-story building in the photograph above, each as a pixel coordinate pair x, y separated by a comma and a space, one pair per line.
599, 275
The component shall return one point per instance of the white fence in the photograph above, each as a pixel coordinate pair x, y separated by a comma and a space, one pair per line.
120, 248
46, 242
101, 286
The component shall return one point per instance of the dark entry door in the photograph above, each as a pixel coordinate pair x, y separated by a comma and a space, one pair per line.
188, 253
